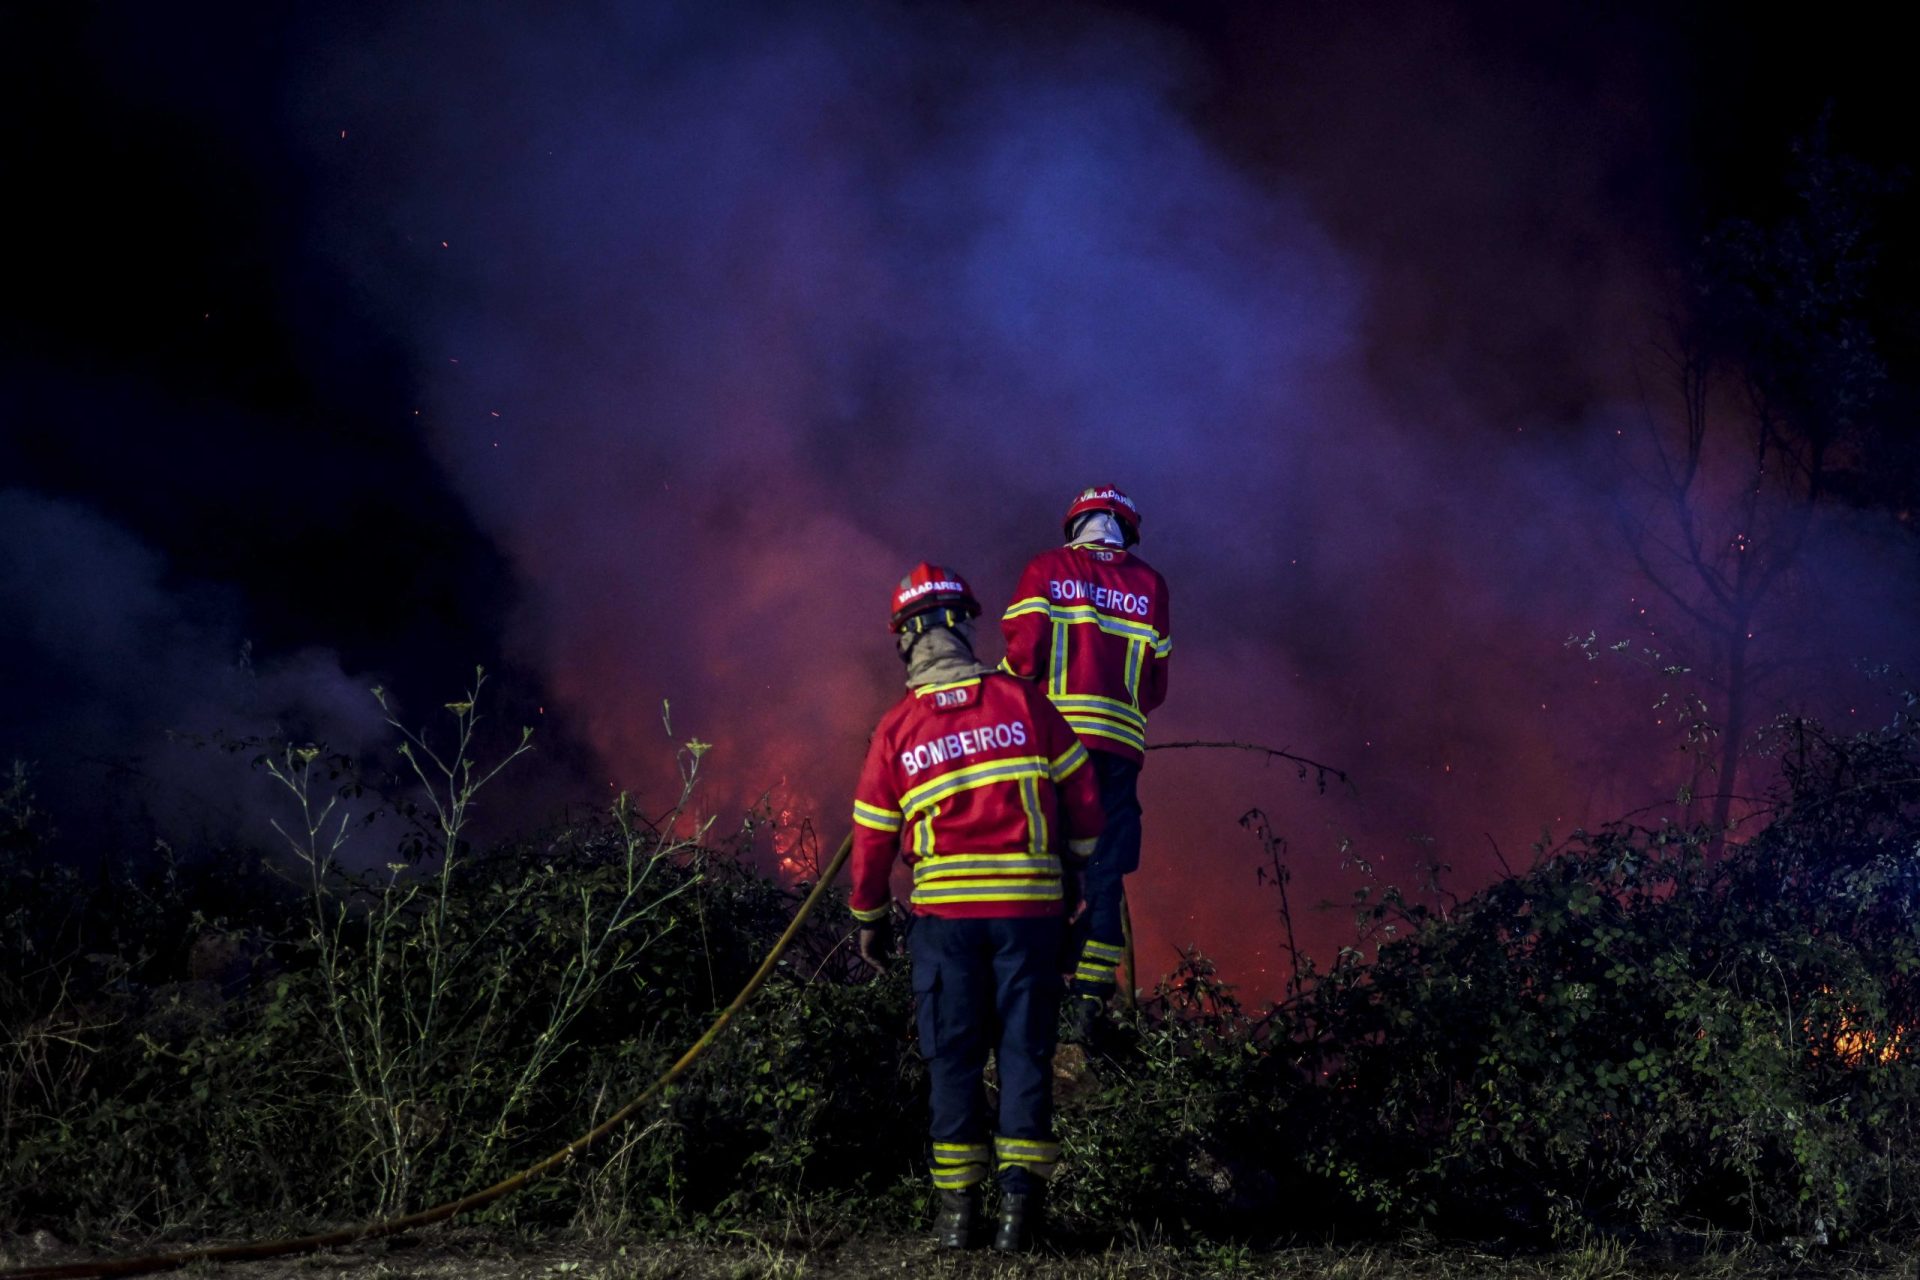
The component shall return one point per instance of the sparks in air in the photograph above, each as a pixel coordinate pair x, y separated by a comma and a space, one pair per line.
792, 836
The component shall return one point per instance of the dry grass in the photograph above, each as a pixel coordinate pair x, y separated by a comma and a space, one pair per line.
473, 1255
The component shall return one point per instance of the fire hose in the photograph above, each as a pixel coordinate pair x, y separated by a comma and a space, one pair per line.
145, 1263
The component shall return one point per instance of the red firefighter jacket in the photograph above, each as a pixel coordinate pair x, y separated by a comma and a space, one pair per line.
1092, 622
983, 783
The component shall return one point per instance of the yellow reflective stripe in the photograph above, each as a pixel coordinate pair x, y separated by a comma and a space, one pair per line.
925, 689
949, 865
1026, 1149
1067, 761
1163, 647
1126, 712
1085, 724
1085, 614
1019, 886
970, 776
1080, 615
1136, 654
957, 1178
923, 833
1037, 839
1094, 973
1057, 668
1123, 738
879, 819
1132, 722
992, 891
1039, 1168
1104, 951
868, 917
971, 1150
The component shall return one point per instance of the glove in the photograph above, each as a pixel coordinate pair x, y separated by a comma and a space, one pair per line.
876, 943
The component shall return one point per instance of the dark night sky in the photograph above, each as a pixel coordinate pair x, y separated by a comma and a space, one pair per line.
934, 267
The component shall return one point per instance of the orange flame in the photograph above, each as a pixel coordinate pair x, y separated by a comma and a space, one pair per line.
1855, 1044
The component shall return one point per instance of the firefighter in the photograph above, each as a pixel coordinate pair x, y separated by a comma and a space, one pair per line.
1090, 620
984, 788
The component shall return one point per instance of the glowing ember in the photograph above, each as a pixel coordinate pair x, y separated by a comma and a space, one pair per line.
1856, 1045
796, 847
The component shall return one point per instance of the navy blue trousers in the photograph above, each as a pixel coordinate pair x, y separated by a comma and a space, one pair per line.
988, 985
1115, 857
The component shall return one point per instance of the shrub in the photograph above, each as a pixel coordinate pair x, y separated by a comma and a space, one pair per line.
1637, 1034
1644, 1031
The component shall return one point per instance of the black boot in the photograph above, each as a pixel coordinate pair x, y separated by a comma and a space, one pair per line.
1019, 1219
953, 1221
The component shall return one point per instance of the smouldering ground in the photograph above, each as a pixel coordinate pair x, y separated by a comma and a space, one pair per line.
477, 1256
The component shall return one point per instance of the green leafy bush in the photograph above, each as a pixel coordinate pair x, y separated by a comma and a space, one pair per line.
1640, 1033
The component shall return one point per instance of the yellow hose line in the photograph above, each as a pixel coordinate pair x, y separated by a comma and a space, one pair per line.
474, 1199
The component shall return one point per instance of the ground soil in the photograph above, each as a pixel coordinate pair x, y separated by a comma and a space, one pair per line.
476, 1255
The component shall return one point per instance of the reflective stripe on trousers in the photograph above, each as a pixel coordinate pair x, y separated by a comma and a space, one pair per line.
988, 985
1114, 858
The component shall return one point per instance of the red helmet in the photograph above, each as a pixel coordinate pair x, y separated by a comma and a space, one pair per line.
932, 595
1109, 499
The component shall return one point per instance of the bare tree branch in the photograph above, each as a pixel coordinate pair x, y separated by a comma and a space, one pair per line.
1325, 771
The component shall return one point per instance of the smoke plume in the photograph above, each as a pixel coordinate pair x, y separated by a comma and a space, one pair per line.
112, 670
722, 317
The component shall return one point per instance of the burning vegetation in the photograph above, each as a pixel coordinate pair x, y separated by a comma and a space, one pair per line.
1643, 1031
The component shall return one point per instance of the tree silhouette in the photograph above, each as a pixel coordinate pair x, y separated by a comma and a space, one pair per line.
1774, 368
